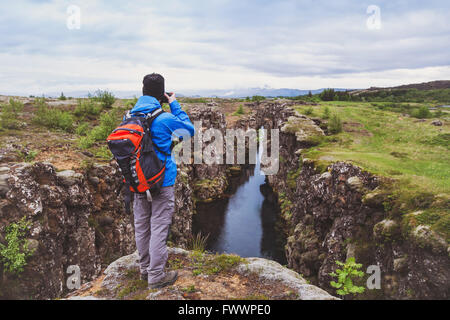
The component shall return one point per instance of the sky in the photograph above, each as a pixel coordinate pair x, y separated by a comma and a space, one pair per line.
221, 44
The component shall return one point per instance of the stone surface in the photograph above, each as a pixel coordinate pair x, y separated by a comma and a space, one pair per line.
271, 270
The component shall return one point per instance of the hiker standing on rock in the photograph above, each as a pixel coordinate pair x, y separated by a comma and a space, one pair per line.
153, 212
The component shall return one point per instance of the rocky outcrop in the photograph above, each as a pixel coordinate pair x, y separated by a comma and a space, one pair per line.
72, 222
76, 218
333, 211
210, 180
254, 278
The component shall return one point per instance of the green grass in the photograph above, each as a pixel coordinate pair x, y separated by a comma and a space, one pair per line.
415, 154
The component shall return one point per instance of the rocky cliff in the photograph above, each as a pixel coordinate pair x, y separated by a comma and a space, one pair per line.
332, 211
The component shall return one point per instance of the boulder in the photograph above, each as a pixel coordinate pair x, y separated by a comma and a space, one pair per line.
69, 177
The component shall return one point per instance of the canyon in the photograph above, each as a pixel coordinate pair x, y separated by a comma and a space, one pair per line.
329, 211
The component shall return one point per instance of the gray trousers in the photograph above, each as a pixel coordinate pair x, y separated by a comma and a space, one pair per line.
151, 223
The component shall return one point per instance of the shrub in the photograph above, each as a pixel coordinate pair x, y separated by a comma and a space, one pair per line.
422, 113
345, 277
15, 253
105, 98
87, 107
326, 113
309, 111
108, 122
258, 98
10, 113
28, 156
53, 118
82, 129
131, 103
62, 96
335, 124
239, 111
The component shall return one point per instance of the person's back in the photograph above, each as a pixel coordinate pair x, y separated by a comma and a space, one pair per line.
152, 219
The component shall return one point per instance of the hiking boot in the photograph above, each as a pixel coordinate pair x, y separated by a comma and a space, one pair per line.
168, 279
144, 276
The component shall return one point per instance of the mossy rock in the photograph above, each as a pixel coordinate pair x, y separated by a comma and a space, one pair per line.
375, 198
387, 230
425, 237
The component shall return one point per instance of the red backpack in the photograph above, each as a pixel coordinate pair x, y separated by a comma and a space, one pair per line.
132, 147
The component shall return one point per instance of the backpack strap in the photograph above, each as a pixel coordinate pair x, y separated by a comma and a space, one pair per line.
150, 117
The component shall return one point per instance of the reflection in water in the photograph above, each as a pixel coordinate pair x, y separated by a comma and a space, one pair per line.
245, 223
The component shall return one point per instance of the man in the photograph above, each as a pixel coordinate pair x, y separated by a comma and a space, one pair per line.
152, 219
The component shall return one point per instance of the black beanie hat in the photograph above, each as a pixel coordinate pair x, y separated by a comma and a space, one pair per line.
154, 86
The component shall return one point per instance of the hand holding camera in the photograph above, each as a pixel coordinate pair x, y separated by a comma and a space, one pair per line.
170, 96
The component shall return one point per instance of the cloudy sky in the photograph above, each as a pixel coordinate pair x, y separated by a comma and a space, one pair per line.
221, 44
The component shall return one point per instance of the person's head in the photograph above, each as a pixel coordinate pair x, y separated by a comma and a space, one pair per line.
154, 86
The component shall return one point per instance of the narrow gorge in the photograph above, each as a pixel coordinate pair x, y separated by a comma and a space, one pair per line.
326, 211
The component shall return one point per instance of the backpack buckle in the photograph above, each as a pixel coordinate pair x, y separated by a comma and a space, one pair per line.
149, 195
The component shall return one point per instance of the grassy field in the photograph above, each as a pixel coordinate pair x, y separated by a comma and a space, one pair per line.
411, 151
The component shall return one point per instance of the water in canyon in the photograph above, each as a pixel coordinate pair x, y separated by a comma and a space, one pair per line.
245, 223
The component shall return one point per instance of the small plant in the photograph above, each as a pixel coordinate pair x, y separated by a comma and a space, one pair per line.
190, 289
335, 124
52, 118
198, 242
10, 112
105, 98
309, 111
345, 277
131, 103
28, 156
240, 111
15, 253
82, 129
175, 264
87, 108
326, 113
108, 122
422, 113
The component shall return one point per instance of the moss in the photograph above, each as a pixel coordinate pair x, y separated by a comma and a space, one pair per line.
131, 287
438, 220
189, 289
131, 273
285, 206
292, 177
213, 264
207, 183
321, 166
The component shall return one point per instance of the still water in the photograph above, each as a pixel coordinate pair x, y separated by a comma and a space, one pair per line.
245, 223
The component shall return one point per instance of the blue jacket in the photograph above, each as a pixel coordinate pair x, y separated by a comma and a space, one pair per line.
162, 128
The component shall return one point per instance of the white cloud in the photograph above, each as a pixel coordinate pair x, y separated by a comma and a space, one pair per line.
221, 44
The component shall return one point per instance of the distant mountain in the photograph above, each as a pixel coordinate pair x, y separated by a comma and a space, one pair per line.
265, 92
220, 93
